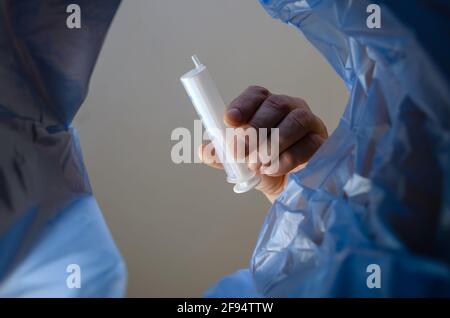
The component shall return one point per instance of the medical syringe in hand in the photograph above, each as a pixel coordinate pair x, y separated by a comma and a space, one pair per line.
210, 107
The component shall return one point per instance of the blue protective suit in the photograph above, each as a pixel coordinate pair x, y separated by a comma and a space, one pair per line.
378, 191
48, 216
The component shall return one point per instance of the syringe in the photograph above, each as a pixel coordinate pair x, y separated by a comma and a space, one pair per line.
210, 107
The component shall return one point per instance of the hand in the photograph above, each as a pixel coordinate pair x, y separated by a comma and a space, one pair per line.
301, 133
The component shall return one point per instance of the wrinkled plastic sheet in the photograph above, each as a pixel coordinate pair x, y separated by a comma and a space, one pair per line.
377, 192
49, 218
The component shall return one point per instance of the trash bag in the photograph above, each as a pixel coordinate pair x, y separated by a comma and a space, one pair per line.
369, 216
48, 215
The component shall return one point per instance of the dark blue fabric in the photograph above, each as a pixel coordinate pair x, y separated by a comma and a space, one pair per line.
45, 69
430, 21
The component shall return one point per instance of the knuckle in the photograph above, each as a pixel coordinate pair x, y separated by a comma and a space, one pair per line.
242, 103
278, 102
252, 95
314, 142
257, 90
302, 118
301, 102
258, 122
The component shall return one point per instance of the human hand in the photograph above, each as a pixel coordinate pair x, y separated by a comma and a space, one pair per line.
301, 133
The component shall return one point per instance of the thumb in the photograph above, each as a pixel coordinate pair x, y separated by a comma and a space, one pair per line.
207, 155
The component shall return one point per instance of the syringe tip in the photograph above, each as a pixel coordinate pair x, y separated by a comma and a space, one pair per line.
196, 61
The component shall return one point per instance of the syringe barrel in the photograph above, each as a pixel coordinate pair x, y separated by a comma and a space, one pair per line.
211, 108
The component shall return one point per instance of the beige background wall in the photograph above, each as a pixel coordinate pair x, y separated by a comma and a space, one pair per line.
181, 227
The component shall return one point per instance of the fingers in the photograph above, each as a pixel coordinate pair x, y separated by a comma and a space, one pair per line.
269, 185
258, 108
297, 154
273, 110
289, 160
296, 125
242, 109
300, 133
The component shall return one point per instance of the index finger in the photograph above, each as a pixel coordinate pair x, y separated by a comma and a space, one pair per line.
242, 109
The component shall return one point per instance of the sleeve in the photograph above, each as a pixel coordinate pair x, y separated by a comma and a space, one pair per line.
45, 195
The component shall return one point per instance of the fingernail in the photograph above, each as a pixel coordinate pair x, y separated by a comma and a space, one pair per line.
234, 114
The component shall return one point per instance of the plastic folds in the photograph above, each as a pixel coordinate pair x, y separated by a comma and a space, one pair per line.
48, 216
377, 192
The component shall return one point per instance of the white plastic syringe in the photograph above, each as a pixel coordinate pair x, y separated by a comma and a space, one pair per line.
210, 107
